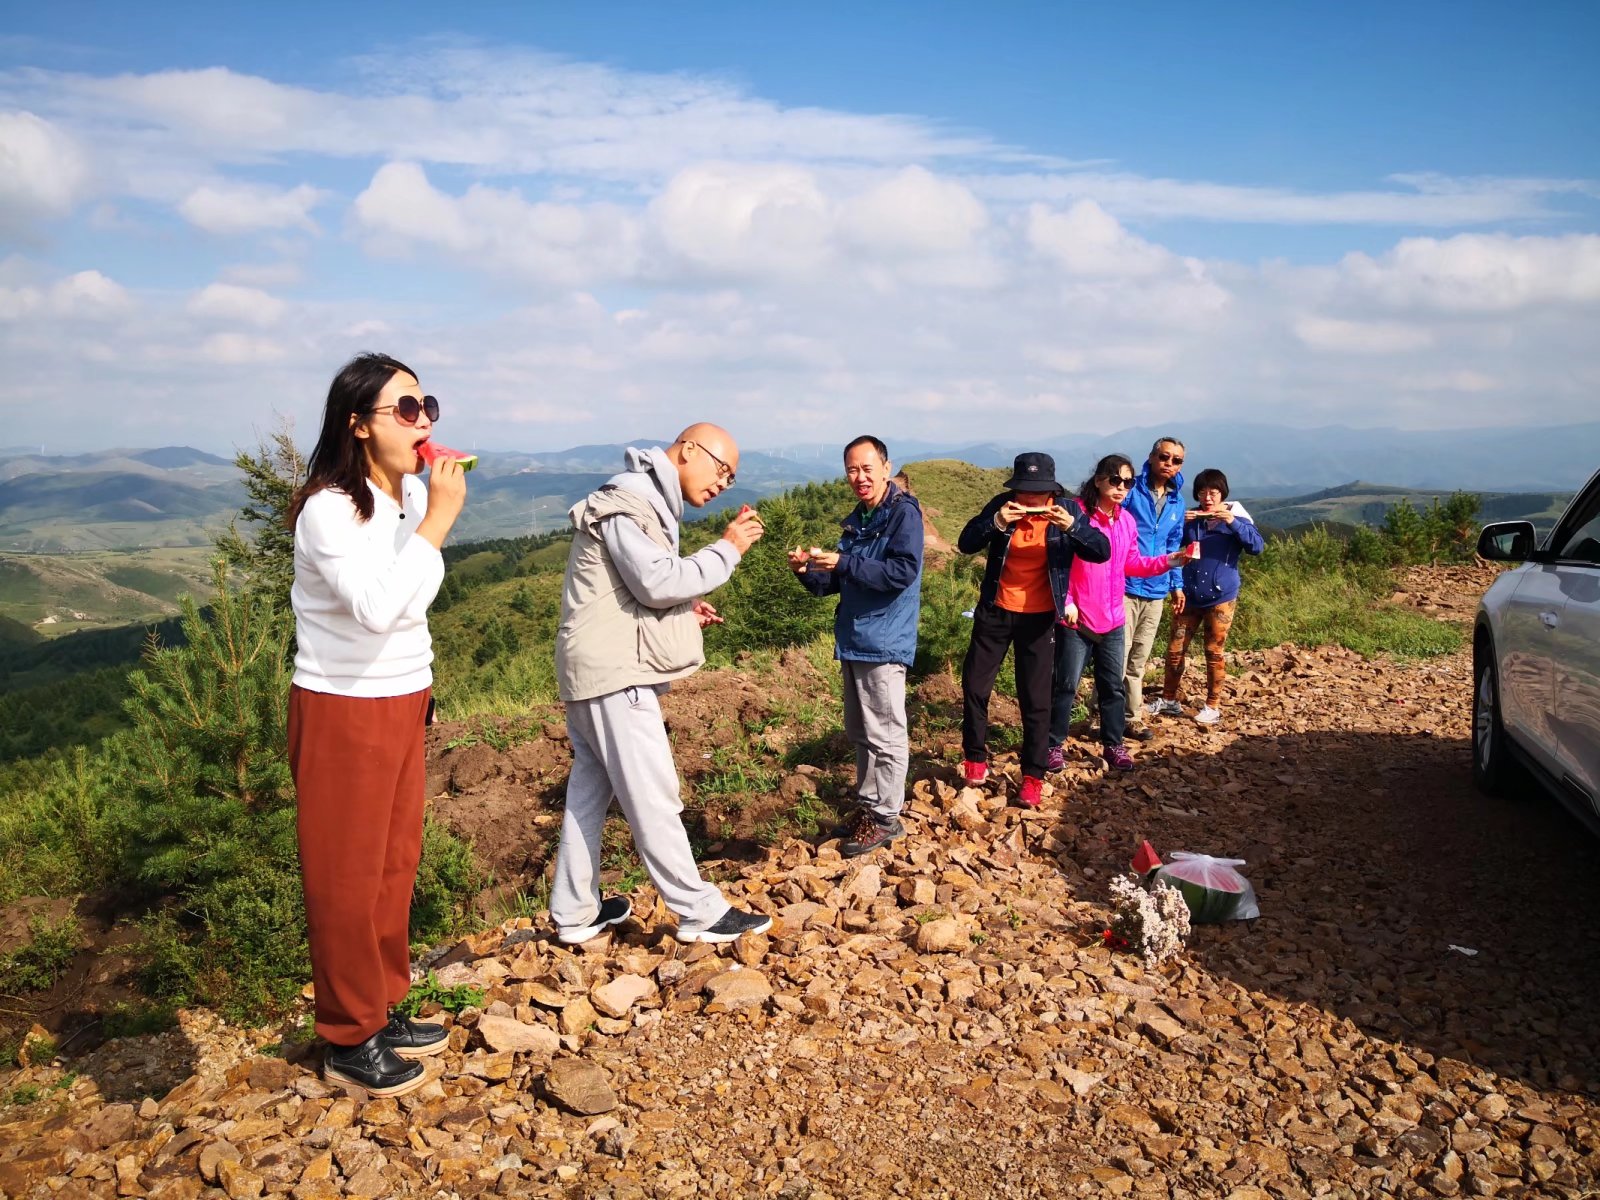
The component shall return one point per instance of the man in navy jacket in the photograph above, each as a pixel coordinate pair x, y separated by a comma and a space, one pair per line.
877, 575
1156, 502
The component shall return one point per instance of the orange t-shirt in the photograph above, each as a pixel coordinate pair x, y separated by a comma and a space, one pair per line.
1024, 581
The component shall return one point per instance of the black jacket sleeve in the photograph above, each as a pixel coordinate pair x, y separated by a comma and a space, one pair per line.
981, 528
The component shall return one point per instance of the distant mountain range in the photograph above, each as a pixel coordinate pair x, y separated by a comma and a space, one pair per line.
178, 496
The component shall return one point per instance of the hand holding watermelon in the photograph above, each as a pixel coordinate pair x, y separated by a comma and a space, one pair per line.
447, 494
744, 530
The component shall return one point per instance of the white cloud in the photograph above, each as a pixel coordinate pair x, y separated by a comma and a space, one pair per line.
1485, 273
43, 172
1360, 337
232, 303
726, 219
496, 229
1088, 241
234, 208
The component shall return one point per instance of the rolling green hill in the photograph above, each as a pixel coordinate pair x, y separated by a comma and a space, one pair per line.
1361, 503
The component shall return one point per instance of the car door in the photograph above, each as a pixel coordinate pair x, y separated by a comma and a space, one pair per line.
1526, 644
1575, 560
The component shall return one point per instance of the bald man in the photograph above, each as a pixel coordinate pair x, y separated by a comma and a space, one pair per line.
632, 612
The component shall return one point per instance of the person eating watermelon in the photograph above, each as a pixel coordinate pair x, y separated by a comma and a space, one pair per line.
367, 536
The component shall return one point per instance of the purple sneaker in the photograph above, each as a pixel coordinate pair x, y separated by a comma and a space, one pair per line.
1055, 760
1119, 758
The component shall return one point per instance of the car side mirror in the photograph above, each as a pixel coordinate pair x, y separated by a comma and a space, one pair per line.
1507, 541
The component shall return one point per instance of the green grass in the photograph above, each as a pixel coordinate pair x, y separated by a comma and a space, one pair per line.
44, 958
953, 492
431, 991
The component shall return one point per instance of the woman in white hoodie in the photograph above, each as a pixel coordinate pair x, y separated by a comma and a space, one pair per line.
367, 536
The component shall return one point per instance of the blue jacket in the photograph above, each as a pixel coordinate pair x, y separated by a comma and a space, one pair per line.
878, 582
1157, 534
1083, 540
1214, 579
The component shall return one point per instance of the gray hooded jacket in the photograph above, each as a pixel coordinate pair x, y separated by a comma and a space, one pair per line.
627, 602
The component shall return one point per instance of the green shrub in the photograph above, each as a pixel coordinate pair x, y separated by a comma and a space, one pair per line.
447, 878
44, 958
53, 840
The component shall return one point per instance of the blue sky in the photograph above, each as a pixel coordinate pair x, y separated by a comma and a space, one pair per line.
588, 222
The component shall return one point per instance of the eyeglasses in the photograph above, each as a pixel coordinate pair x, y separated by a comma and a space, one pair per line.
724, 471
1175, 459
408, 408
1122, 482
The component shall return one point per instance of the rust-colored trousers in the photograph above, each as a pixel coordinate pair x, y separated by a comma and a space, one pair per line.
1217, 620
358, 770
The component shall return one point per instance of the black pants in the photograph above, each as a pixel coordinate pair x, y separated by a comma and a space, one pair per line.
1033, 636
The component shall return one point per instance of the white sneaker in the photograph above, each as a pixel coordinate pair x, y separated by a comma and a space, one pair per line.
1208, 715
613, 911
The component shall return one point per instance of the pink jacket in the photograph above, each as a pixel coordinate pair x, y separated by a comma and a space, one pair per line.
1097, 588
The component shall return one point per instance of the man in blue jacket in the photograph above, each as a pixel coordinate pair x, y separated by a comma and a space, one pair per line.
877, 574
1156, 502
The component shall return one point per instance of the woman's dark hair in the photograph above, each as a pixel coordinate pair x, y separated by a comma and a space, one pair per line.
340, 460
1210, 478
1111, 464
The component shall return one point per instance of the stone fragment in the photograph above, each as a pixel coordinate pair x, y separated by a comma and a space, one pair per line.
733, 990
614, 999
270, 1074
942, 936
510, 1034
238, 1180
213, 1155
580, 1086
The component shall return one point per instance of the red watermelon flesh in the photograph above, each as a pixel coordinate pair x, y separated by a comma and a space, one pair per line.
433, 452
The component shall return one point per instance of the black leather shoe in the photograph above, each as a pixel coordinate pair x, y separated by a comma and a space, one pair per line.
1138, 733
373, 1066
415, 1039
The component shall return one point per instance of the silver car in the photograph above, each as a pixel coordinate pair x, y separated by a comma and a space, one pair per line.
1536, 659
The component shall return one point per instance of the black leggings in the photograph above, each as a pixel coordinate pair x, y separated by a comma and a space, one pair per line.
1033, 635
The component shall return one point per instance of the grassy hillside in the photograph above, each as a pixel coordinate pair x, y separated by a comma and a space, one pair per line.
57, 594
1360, 503
951, 493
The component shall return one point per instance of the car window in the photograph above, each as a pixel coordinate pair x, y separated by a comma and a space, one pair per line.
1578, 539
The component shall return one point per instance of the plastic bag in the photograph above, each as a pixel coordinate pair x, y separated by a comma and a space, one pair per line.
1214, 891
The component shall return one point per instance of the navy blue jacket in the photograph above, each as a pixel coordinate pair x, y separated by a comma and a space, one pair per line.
1214, 579
878, 582
1158, 535
1083, 540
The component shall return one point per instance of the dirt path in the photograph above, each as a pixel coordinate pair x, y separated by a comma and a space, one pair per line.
942, 1021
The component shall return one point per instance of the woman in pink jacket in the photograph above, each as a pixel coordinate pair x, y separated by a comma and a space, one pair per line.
1093, 618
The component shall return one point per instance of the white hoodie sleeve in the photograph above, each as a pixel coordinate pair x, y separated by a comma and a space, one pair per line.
656, 576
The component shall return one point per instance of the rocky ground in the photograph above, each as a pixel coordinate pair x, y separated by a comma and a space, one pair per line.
1413, 1015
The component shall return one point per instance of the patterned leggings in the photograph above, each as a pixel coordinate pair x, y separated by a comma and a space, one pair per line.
1218, 620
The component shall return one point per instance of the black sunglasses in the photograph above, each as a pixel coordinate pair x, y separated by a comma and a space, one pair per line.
1122, 482
408, 408
1175, 459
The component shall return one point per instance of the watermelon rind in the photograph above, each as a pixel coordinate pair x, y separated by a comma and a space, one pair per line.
1207, 906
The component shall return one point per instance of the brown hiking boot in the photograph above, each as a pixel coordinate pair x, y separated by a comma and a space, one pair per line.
870, 833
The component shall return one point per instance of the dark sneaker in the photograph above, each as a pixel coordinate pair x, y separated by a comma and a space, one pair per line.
415, 1039
1055, 760
1032, 791
735, 923
869, 833
373, 1067
1119, 758
1138, 732
613, 911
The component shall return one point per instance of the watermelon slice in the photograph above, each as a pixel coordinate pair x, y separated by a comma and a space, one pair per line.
433, 452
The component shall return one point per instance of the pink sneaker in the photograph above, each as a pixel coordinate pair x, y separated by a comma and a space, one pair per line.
1032, 791
974, 772
1055, 759
1119, 758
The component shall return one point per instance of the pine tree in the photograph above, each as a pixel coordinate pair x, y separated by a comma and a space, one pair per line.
265, 556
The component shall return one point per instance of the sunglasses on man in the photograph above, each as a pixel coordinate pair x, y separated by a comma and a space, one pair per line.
1175, 459
408, 408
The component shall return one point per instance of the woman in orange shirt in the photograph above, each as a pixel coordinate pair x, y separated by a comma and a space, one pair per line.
1031, 542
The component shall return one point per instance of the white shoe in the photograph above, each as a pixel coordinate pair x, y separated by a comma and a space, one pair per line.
1208, 715
613, 911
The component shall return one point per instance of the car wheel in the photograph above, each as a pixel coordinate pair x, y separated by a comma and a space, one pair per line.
1492, 767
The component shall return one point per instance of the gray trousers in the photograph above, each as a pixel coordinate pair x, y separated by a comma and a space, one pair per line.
1144, 622
620, 749
875, 722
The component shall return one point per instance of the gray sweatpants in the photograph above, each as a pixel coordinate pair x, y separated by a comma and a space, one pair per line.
620, 749
875, 722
